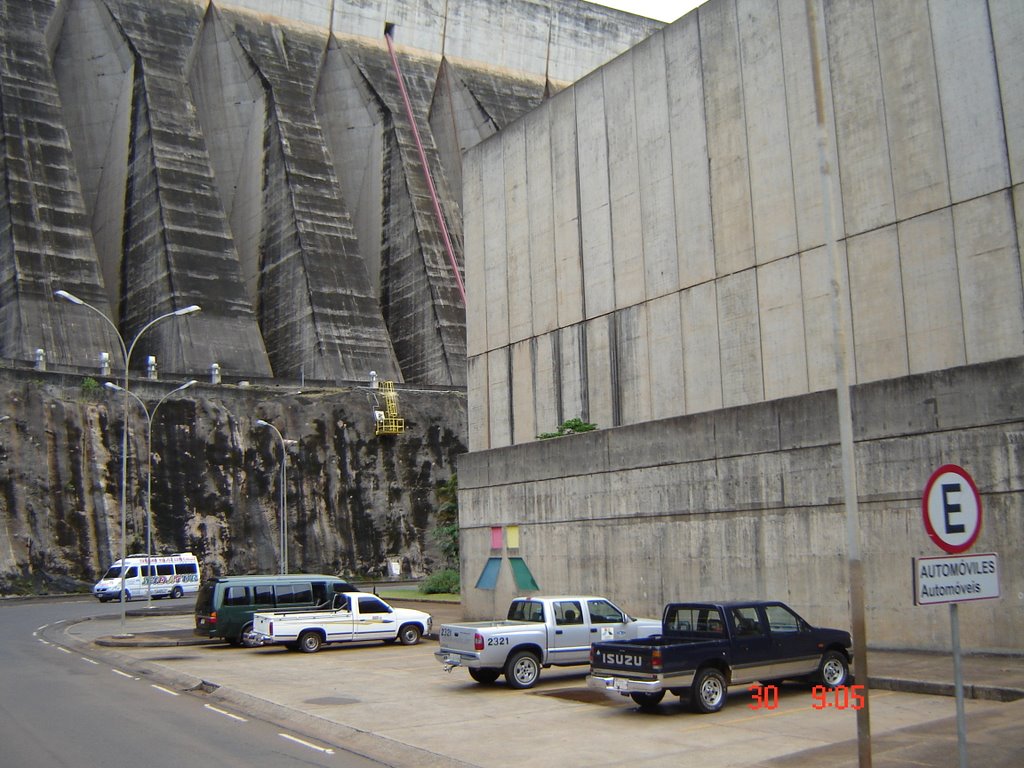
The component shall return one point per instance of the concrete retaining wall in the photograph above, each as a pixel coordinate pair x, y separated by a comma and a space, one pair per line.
747, 502
672, 259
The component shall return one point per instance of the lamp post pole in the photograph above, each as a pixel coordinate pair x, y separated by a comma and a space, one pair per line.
126, 354
150, 417
283, 493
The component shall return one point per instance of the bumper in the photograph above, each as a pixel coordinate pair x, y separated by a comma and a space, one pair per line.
623, 685
452, 659
253, 639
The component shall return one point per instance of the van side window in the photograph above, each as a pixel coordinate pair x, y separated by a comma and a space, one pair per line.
132, 573
236, 596
319, 593
263, 594
291, 594
165, 570
185, 568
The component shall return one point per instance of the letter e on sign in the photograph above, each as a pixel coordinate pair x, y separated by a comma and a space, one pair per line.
952, 509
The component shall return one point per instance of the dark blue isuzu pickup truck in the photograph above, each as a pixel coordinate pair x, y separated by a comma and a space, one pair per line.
706, 647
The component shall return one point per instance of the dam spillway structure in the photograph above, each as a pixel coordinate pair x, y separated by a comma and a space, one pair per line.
254, 158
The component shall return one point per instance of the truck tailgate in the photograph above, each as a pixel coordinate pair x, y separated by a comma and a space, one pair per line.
461, 637
626, 657
652, 655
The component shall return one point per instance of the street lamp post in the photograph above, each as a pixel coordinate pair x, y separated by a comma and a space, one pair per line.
126, 355
283, 493
150, 417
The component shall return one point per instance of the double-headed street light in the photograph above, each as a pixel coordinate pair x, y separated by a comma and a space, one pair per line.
283, 515
150, 417
126, 354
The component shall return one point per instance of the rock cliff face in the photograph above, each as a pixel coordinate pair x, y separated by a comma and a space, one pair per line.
357, 504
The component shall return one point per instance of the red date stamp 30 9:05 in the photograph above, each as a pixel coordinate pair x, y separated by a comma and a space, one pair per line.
840, 697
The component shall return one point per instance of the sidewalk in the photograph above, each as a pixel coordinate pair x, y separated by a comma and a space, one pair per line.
995, 738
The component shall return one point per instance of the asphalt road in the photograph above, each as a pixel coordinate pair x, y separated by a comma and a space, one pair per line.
60, 708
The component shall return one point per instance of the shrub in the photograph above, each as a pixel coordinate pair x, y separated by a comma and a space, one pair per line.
90, 388
569, 427
441, 582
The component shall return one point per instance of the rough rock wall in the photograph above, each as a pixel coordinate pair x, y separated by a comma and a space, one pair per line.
356, 502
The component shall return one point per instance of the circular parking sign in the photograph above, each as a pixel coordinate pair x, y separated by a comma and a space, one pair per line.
952, 509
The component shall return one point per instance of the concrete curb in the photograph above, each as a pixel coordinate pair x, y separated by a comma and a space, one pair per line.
981, 692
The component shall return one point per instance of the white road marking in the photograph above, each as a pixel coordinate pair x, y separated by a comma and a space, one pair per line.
63, 650
165, 690
91, 661
225, 713
325, 750
123, 674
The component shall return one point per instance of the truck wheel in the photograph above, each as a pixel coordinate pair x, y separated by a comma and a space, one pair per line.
310, 641
834, 670
176, 593
647, 700
484, 676
409, 634
522, 670
707, 694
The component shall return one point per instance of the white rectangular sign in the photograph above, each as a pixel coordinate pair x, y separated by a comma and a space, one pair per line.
955, 579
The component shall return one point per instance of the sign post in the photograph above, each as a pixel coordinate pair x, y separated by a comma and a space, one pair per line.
952, 518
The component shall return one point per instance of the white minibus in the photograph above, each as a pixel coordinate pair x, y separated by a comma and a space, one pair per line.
153, 575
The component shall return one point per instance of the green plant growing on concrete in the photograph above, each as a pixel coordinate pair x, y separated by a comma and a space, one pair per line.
446, 534
569, 427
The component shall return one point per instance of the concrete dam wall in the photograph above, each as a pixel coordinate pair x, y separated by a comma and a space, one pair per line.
254, 158
263, 167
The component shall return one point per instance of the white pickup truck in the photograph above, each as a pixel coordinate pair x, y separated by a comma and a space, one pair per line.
539, 632
354, 617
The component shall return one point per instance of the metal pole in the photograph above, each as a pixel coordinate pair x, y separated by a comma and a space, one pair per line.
283, 495
149, 478
284, 509
958, 681
445, 236
126, 353
839, 321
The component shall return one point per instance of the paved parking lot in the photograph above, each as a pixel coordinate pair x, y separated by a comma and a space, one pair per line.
396, 704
